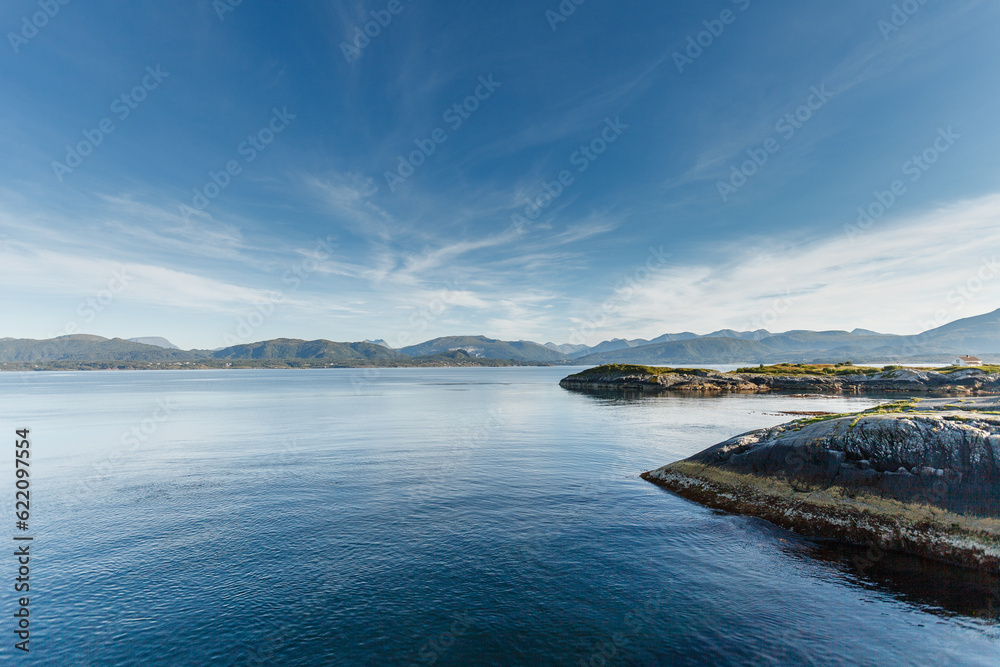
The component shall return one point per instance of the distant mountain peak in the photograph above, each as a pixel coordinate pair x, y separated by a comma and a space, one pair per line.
486, 348
742, 335
155, 341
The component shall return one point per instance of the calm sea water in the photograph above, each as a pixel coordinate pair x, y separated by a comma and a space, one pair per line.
428, 516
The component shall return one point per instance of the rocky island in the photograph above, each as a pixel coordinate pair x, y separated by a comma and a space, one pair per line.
795, 378
916, 476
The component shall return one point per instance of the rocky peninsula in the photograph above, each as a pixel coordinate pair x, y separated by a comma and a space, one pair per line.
918, 476
792, 378
915, 476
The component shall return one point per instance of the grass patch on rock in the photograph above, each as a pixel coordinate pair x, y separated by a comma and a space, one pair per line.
823, 370
622, 370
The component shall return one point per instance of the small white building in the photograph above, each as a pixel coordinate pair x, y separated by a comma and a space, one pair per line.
968, 361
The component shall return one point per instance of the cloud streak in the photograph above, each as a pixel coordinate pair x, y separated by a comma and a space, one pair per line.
894, 278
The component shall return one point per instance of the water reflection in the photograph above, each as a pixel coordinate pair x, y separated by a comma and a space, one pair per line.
934, 587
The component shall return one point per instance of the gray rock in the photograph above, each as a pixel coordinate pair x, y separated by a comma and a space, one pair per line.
928, 458
963, 382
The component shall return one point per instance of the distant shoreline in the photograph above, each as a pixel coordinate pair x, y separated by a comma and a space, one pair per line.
698, 377
269, 364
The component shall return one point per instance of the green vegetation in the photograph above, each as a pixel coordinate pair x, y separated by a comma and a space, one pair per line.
819, 370
796, 370
845, 368
632, 369
83, 352
89, 349
451, 359
952, 369
896, 407
801, 423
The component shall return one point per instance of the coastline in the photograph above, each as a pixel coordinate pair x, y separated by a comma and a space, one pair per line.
917, 477
836, 513
798, 378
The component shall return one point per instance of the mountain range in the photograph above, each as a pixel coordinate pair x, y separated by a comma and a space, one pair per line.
978, 335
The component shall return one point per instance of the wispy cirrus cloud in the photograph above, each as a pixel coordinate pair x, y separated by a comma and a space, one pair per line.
56, 273
895, 277
350, 199
908, 56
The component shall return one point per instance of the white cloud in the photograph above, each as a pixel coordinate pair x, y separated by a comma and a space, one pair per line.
164, 228
350, 198
898, 277
48, 272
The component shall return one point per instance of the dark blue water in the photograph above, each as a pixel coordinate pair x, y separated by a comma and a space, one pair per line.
415, 516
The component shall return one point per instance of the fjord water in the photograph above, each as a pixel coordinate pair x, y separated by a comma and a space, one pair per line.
421, 516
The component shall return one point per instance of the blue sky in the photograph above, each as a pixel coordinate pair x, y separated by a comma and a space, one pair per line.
216, 174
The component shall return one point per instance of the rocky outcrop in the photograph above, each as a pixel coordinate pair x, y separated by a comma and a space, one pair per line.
920, 477
968, 382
